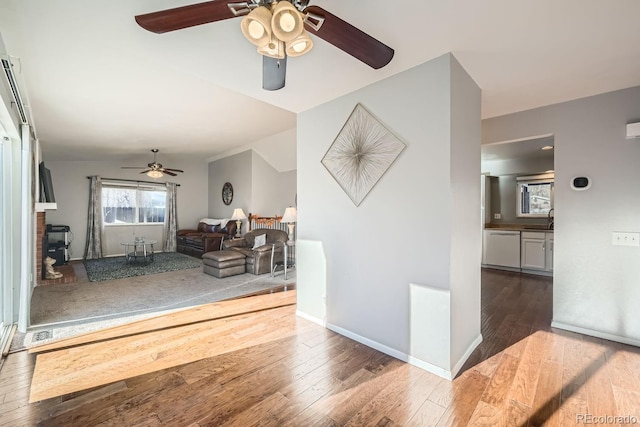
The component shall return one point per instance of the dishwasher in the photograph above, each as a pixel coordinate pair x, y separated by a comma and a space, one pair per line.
501, 248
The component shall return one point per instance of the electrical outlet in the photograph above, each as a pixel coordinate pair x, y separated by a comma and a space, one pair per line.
497, 216
621, 238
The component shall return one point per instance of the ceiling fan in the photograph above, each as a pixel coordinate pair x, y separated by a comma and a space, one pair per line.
278, 28
155, 169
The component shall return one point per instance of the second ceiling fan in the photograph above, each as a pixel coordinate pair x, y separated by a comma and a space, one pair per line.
278, 28
155, 169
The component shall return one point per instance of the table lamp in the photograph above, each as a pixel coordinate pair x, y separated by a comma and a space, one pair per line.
238, 216
290, 217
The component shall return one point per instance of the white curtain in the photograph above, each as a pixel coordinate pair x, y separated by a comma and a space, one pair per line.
93, 248
171, 219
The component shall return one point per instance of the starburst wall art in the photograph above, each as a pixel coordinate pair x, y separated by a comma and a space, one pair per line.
361, 153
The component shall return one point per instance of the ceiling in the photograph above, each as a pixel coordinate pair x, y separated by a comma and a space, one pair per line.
523, 149
100, 86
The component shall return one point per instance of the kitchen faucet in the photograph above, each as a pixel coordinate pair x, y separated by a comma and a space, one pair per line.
550, 220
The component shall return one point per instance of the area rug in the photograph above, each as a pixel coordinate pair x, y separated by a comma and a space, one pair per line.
119, 268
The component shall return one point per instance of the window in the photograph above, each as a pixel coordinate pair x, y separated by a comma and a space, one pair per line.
125, 204
535, 195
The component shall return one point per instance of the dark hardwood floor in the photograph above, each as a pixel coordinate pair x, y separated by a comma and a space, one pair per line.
522, 374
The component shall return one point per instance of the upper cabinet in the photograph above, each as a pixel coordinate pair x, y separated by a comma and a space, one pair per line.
534, 195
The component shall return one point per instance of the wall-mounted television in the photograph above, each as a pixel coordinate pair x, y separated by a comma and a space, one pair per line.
46, 185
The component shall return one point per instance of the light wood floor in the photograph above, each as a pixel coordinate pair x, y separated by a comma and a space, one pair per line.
522, 374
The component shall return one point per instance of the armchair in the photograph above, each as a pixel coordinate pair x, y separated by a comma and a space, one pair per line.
206, 238
258, 259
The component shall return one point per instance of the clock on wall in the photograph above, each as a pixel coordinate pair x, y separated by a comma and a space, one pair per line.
227, 193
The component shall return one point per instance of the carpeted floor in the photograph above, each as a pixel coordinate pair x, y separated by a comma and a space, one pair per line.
83, 302
118, 267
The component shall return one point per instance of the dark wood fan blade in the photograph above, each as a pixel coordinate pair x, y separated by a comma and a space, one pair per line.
168, 173
184, 17
133, 167
148, 170
274, 73
172, 170
355, 42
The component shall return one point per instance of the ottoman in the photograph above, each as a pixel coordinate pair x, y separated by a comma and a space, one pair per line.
223, 263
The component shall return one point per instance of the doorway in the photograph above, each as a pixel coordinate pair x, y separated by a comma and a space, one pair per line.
517, 200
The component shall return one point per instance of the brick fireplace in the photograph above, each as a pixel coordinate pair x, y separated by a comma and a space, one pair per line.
67, 270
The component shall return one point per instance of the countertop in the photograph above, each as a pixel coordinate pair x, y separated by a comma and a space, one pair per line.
518, 227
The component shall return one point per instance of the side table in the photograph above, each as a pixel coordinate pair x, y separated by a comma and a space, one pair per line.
289, 260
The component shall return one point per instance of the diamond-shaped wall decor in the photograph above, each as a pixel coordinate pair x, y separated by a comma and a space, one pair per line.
361, 153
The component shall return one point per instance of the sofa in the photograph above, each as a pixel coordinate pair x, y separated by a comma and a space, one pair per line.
258, 256
207, 237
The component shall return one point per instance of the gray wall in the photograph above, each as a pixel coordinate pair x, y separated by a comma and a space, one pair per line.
375, 252
595, 284
504, 201
265, 185
71, 188
258, 187
466, 246
235, 169
503, 186
518, 166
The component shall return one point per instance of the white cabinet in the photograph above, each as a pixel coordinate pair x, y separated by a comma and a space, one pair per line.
501, 248
537, 251
534, 251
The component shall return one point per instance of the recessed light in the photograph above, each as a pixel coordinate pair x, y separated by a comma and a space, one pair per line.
547, 147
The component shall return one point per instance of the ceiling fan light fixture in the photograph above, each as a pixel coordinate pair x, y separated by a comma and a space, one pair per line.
300, 45
155, 174
286, 23
273, 49
256, 26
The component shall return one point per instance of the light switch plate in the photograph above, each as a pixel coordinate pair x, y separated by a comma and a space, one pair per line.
497, 216
622, 238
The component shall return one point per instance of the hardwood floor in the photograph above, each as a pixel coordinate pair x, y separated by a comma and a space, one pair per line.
522, 374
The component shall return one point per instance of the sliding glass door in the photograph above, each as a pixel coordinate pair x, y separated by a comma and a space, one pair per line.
6, 299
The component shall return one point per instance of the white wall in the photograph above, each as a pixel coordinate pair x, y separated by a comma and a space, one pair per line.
71, 189
403, 231
595, 284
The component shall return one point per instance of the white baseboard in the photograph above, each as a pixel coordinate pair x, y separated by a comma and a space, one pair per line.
465, 356
369, 343
311, 318
597, 334
436, 370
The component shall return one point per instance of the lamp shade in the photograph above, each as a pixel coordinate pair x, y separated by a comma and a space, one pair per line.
290, 215
155, 174
256, 26
286, 22
273, 49
300, 45
238, 214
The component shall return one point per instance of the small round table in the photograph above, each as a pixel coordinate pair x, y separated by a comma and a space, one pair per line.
139, 248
